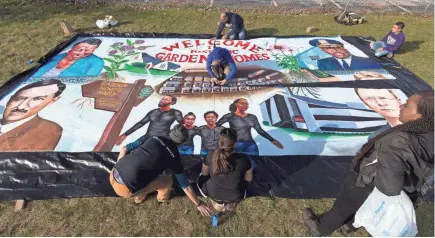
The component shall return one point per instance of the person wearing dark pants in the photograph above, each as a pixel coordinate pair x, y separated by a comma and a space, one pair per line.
236, 24
400, 158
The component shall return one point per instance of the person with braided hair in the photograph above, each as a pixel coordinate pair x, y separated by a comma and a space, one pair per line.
400, 158
225, 174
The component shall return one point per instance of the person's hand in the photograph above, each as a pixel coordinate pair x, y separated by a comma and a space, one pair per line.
224, 37
223, 82
215, 81
277, 144
213, 38
204, 210
380, 49
121, 139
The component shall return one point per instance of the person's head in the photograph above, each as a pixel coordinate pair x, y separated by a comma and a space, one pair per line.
224, 17
227, 142
331, 47
383, 101
189, 119
218, 69
398, 27
83, 49
167, 100
179, 134
417, 115
240, 105
31, 99
211, 117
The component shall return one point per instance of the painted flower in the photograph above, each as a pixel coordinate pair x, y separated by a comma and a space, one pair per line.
112, 52
127, 47
139, 41
142, 47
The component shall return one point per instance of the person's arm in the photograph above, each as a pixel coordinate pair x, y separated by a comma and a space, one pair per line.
386, 37
208, 65
224, 119
134, 145
233, 71
260, 130
140, 124
204, 170
219, 30
391, 166
179, 117
122, 153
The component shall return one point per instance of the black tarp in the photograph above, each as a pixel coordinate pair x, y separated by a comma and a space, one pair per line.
36, 175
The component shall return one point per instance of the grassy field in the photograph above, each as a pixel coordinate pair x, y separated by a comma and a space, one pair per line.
30, 30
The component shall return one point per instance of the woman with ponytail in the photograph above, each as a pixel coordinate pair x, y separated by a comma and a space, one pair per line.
225, 174
400, 158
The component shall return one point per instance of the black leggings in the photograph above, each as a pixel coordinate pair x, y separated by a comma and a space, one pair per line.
349, 200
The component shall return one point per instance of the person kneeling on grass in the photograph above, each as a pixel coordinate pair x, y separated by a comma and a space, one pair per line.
225, 174
141, 163
221, 66
391, 42
400, 158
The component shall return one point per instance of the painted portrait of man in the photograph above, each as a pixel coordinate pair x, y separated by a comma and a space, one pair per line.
340, 57
21, 128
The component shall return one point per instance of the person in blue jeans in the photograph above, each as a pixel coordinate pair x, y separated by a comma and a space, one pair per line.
236, 24
188, 147
221, 66
242, 123
391, 42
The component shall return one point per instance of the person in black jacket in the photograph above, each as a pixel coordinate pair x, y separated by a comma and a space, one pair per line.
225, 174
236, 24
400, 158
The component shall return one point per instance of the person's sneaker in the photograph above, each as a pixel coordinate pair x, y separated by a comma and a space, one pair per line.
312, 222
390, 55
347, 230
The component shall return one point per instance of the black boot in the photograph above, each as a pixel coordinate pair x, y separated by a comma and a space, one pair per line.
312, 222
348, 229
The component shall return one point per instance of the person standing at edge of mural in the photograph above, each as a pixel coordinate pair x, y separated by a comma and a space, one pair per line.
160, 120
139, 172
225, 174
78, 61
242, 122
221, 66
236, 24
21, 128
400, 158
188, 147
209, 133
391, 42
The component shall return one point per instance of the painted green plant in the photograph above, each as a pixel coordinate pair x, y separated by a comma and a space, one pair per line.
288, 62
145, 92
120, 53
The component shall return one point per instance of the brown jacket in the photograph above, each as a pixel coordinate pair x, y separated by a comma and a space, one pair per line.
35, 135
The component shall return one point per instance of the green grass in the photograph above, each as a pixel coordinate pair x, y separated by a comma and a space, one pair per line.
30, 30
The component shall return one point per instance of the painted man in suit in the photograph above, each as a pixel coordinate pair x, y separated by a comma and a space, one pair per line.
341, 58
21, 128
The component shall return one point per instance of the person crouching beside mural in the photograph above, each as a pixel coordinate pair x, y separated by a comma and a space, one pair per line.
225, 174
236, 24
221, 66
188, 147
21, 128
209, 133
79, 61
138, 173
242, 123
397, 159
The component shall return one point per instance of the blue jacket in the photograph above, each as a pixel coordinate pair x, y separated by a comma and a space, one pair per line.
357, 63
91, 65
224, 56
237, 24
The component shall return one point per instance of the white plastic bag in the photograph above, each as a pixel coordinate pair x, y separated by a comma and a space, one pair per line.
385, 216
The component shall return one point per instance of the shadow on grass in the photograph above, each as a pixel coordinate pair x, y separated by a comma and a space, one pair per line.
262, 32
409, 46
